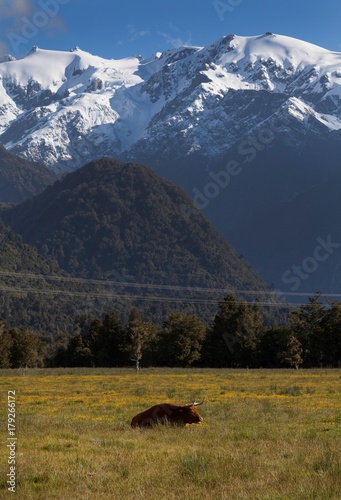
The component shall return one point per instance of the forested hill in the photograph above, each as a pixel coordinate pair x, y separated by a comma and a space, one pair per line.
36, 294
21, 179
110, 219
16, 256
28, 282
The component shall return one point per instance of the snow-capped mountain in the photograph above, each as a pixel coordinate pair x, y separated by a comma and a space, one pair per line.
66, 108
249, 126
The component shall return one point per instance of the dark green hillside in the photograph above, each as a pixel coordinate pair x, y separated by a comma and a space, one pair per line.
17, 256
110, 219
34, 293
20, 269
21, 179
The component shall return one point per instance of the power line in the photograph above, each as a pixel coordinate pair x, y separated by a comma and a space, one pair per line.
149, 286
126, 284
143, 298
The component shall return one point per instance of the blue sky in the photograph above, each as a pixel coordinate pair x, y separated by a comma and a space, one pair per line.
115, 29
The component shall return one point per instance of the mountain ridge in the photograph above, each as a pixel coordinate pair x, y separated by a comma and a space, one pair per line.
110, 106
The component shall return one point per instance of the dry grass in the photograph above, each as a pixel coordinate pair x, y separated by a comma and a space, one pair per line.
267, 435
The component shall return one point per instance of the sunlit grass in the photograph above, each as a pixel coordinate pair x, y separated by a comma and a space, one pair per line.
267, 434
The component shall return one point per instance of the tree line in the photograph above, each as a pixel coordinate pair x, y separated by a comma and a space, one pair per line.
237, 337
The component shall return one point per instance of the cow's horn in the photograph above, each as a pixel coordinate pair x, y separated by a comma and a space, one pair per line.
195, 403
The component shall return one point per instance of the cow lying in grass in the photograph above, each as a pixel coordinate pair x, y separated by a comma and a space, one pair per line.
167, 413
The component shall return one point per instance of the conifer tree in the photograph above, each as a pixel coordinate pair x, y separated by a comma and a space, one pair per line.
235, 334
307, 325
79, 353
183, 338
26, 349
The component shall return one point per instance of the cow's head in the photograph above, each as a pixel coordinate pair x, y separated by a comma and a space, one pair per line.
190, 413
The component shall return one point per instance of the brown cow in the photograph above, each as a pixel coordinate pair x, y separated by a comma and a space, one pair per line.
167, 413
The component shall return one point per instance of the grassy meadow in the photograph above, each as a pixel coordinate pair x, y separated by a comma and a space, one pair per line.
267, 435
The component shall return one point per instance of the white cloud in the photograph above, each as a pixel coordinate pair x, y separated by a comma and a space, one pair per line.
14, 8
23, 20
135, 33
175, 41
